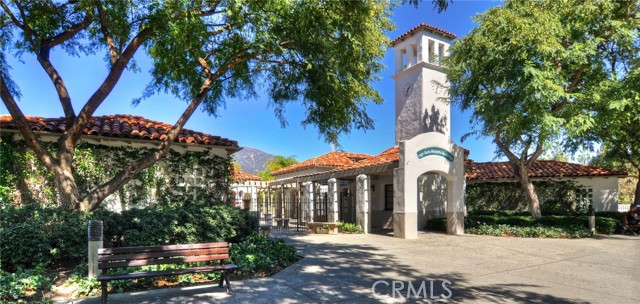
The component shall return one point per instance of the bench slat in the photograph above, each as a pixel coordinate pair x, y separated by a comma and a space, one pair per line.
160, 248
134, 263
160, 254
139, 275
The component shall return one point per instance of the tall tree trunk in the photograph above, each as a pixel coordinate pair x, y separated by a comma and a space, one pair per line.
636, 199
522, 174
68, 192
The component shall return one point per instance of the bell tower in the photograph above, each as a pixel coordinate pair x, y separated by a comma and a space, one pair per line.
429, 181
421, 103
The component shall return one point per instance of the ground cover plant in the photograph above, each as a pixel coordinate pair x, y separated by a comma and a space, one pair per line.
349, 228
521, 224
38, 240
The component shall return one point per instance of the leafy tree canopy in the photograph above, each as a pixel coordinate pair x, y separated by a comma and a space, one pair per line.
277, 162
528, 65
324, 54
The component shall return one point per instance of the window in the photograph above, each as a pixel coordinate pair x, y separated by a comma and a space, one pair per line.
585, 196
388, 197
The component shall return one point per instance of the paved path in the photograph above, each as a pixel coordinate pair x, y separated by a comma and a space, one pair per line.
473, 269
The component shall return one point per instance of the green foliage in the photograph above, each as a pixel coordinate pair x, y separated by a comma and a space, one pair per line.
555, 197
531, 71
165, 225
276, 163
24, 245
558, 226
25, 180
33, 234
350, 228
436, 224
23, 284
258, 255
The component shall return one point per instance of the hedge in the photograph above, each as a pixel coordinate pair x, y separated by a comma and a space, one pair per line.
35, 235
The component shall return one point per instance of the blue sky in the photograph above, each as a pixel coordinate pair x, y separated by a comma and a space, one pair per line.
250, 122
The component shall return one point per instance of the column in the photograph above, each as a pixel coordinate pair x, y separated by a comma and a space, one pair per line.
363, 202
410, 56
405, 215
399, 61
455, 192
308, 202
332, 200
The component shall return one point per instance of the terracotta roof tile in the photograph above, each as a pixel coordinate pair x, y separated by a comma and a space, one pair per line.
424, 26
122, 126
386, 157
541, 168
331, 159
495, 170
244, 176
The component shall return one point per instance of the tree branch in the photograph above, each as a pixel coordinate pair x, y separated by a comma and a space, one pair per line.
106, 87
535, 155
113, 54
498, 138
23, 26
69, 33
61, 88
23, 126
92, 200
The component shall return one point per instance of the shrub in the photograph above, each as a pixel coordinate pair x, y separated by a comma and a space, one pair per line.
23, 284
500, 223
258, 256
555, 196
24, 245
59, 233
349, 228
164, 225
436, 224
34, 234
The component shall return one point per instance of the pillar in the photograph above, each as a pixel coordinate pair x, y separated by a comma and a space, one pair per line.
410, 56
363, 202
94, 232
398, 58
455, 191
332, 200
404, 219
308, 202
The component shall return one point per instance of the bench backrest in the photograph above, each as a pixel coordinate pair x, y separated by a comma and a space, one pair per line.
156, 255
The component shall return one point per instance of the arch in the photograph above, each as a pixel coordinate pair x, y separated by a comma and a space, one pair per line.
424, 153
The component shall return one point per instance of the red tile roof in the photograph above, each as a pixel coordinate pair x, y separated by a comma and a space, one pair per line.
244, 176
386, 157
423, 26
540, 168
331, 159
122, 126
493, 170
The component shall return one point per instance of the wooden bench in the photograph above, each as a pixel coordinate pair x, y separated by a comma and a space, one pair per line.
121, 257
314, 226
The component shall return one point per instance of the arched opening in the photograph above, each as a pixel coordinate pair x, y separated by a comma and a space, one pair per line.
432, 198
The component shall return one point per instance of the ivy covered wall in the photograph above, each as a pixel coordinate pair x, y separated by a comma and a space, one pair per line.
180, 178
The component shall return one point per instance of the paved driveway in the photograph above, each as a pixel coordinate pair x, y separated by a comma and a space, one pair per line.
437, 268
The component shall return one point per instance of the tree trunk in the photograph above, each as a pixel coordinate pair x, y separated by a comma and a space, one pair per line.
68, 193
636, 199
522, 174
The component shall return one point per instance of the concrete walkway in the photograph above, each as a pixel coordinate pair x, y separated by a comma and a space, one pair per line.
438, 268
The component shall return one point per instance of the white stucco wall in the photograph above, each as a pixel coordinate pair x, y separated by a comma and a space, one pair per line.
605, 192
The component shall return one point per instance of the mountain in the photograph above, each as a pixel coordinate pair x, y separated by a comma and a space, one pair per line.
252, 160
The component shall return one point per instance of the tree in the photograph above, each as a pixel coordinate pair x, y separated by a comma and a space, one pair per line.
275, 163
526, 65
439, 5
324, 54
609, 114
